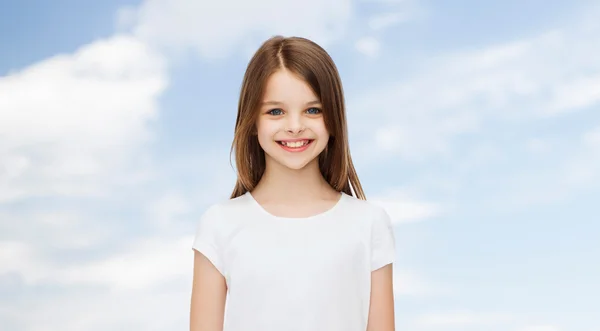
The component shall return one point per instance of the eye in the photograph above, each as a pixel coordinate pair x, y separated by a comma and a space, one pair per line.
276, 111
313, 111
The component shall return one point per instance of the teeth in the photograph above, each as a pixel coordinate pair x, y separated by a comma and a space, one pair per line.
294, 144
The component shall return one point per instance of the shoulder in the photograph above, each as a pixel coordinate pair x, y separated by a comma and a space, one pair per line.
226, 207
225, 213
367, 209
380, 231
371, 216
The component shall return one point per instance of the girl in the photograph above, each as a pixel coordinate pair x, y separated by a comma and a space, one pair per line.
296, 247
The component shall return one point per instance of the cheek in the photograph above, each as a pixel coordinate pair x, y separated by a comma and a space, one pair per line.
265, 130
321, 129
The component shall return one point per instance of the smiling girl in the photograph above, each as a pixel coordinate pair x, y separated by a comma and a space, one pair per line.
297, 246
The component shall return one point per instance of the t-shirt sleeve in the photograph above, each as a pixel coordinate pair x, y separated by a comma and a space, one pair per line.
208, 238
383, 248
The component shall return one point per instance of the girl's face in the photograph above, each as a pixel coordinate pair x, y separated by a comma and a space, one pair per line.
290, 126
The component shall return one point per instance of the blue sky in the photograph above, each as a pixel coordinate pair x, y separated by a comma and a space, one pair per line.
476, 124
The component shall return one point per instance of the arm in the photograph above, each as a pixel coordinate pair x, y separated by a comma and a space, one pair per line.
381, 311
209, 291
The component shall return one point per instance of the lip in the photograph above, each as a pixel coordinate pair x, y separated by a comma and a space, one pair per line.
293, 140
295, 149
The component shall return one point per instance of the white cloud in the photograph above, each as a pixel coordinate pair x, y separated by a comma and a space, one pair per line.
539, 328
386, 20
92, 308
71, 121
460, 318
146, 264
38, 228
581, 170
142, 264
403, 208
592, 138
410, 283
537, 145
215, 29
382, 1
369, 46
573, 171
168, 207
75, 125
15, 256
461, 93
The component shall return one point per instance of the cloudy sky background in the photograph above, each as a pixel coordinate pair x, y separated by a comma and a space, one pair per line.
476, 124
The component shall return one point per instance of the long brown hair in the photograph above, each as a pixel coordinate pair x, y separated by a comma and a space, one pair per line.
308, 60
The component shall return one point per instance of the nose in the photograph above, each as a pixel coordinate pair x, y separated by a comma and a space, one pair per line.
294, 124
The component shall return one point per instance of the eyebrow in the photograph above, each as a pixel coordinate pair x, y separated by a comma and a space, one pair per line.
279, 103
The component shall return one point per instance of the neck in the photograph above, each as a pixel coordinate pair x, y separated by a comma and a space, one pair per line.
288, 184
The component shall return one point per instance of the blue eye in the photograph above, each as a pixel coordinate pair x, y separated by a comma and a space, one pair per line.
313, 111
275, 112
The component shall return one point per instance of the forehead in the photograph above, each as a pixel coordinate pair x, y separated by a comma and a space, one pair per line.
287, 87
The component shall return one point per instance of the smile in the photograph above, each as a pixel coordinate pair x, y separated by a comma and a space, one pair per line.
295, 146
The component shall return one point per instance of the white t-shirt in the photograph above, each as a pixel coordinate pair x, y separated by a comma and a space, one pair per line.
296, 274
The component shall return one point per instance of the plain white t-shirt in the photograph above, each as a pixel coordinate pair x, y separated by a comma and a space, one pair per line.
296, 274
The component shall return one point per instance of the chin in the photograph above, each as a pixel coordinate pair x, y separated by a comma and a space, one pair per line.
291, 162
294, 164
